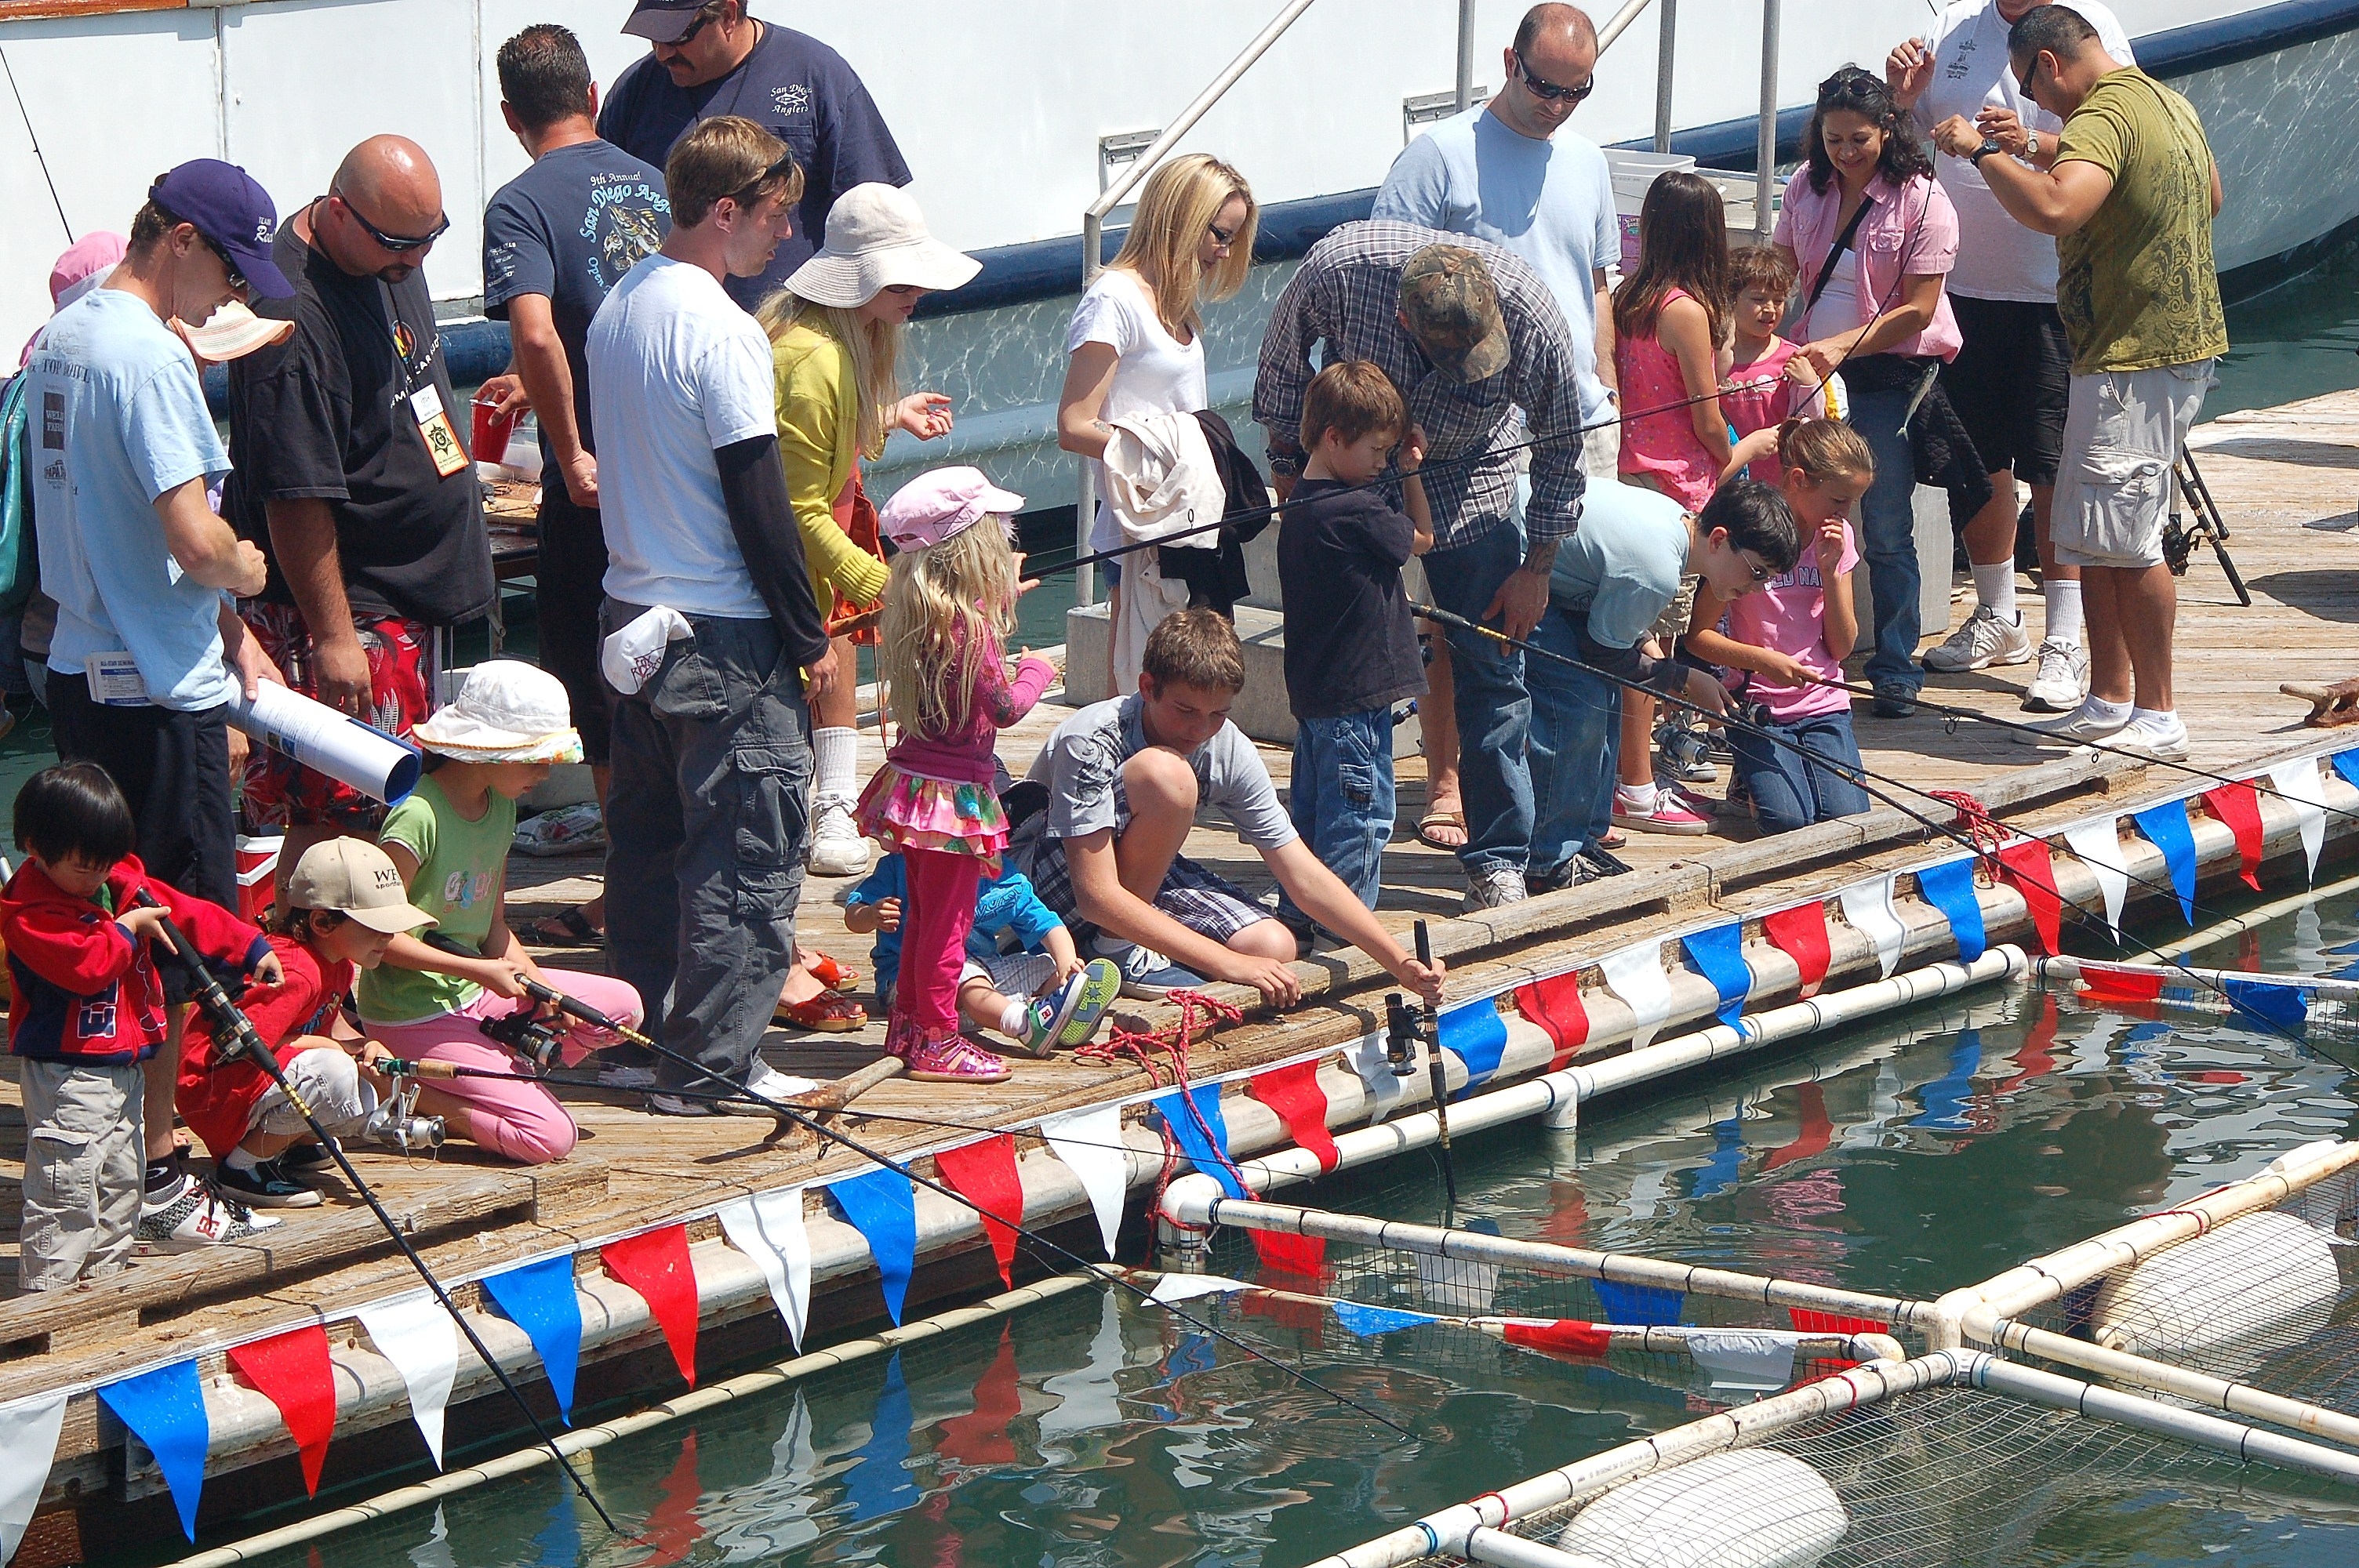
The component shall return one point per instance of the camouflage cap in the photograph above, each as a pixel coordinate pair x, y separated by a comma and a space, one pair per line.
1453, 312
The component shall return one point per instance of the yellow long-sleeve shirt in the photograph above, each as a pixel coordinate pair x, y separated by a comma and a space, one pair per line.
819, 424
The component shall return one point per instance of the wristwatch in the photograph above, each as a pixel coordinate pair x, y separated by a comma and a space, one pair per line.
2031, 145
1990, 144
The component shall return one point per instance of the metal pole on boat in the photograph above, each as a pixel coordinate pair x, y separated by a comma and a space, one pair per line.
1465, 55
1085, 493
1766, 150
1664, 53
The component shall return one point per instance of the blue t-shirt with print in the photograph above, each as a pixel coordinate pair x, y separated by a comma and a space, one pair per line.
1007, 901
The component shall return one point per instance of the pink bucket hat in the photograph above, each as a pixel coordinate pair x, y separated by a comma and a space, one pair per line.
943, 504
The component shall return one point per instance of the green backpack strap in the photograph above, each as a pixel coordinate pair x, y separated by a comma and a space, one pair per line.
19, 562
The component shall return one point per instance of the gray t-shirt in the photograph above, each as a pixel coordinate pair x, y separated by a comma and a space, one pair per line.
1083, 762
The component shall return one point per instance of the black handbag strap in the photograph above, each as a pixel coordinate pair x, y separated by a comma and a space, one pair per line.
1842, 244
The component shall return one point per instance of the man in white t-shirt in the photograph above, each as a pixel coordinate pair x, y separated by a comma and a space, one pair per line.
2008, 381
709, 801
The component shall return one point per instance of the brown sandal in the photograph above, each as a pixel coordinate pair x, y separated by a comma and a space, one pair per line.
1433, 819
829, 1012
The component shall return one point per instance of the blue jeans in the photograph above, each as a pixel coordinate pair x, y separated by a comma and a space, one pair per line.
1575, 747
1887, 537
1342, 800
1494, 710
1790, 790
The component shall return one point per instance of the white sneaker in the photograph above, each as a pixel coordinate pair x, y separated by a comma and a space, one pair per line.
2078, 727
2165, 739
1494, 886
1147, 975
1984, 640
2062, 680
837, 848
192, 1215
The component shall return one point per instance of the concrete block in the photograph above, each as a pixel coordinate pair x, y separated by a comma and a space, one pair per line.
1261, 711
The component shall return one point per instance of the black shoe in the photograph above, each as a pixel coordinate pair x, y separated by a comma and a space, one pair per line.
1604, 863
1894, 699
265, 1187
302, 1156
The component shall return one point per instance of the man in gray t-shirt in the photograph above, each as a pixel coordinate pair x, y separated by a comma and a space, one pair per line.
1124, 779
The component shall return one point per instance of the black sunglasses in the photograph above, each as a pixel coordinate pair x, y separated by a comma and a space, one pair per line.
1542, 88
396, 244
750, 192
236, 278
2028, 77
1220, 236
703, 20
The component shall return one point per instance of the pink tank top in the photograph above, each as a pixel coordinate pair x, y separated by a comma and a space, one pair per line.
1661, 447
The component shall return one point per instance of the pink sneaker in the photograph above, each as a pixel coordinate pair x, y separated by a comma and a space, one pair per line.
1668, 816
948, 1057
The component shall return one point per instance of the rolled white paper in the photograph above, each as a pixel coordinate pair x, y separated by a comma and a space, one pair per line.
327, 742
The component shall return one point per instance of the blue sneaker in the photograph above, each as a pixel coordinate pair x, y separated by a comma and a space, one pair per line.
1147, 974
1069, 1015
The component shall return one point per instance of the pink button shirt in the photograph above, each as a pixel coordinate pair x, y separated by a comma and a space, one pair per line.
1912, 231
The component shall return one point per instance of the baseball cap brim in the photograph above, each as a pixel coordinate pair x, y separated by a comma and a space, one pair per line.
1482, 361
390, 919
661, 24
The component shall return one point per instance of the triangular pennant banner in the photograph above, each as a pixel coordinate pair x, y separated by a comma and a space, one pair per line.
2099, 846
29, 1446
1555, 1005
2286, 1007
2298, 784
2347, 764
984, 1172
1950, 888
1636, 974
1808, 1321
1204, 1136
2029, 869
1719, 956
881, 1206
1869, 910
1801, 933
1090, 1143
540, 1299
656, 1264
1374, 1071
878, 1482
768, 1229
1462, 1284
1565, 1335
1172, 1288
2166, 828
293, 1373
417, 1335
1743, 1359
1294, 1093
980, 1437
2120, 985
1649, 1305
1368, 1322
164, 1409
1303, 1255
1816, 1132
1477, 1035
2239, 805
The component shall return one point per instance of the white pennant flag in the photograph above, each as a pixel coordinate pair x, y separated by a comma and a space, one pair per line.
28, 1443
2099, 847
418, 1337
1173, 1288
1868, 907
1636, 974
1090, 1143
1375, 1073
1741, 1358
2298, 782
768, 1229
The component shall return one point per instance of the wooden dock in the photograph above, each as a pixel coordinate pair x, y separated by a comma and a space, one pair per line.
2288, 480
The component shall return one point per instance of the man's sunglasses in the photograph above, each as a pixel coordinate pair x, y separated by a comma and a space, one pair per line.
236, 278
2028, 77
396, 244
750, 192
703, 20
1542, 88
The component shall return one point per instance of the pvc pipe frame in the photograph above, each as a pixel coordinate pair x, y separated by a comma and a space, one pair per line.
2069, 971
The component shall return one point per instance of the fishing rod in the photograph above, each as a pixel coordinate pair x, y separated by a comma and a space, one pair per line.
33, 137
1439, 1079
236, 1033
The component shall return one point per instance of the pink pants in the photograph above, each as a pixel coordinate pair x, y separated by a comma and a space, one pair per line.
935, 919
518, 1120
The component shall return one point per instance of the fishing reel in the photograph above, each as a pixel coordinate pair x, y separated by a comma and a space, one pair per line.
397, 1125
2199, 525
526, 1035
1401, 1035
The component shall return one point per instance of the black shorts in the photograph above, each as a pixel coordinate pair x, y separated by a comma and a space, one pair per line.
2008, 384
569, 577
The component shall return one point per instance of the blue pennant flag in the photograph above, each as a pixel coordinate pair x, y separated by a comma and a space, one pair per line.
538, 1298
1947, 1097
883, 1208
1639, 1305
1721, 1172
560, 1540
1719, 956
2347, 764
878, 1482
2166, 828
2285, 1006
1368, 1322
1478, 1035
1950, 888
1210, 1158
165, 1408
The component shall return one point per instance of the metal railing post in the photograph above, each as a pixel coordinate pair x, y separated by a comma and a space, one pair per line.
1664, 54
1465, 55
1765, 178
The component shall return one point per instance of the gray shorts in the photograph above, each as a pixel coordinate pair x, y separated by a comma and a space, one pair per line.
2123, 430
1013, 975
330, 1083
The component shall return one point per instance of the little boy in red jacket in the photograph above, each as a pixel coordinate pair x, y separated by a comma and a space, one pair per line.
89, 1009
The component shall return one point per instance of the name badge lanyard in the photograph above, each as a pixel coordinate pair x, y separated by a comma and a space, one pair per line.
434, 426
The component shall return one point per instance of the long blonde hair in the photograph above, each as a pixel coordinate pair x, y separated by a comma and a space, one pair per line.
875, 348
947, 607
1178, 205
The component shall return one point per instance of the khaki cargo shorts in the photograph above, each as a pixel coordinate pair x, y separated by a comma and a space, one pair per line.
2123, 429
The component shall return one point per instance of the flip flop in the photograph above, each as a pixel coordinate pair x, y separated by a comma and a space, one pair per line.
1433, 819
566, 928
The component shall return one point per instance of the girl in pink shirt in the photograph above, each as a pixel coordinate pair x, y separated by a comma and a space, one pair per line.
1670, 315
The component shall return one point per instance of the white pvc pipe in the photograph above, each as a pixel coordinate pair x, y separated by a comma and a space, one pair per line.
2029, 1383
1765, 177
2069, 971
1515, 1551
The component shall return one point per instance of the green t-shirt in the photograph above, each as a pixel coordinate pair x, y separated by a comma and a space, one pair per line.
459, 874
2135, 284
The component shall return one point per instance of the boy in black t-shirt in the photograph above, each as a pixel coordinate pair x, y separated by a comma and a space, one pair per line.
1351, 651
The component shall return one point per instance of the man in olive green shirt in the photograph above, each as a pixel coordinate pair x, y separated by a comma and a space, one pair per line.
2130, 196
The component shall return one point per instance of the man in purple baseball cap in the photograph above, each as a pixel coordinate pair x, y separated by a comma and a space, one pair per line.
235, 217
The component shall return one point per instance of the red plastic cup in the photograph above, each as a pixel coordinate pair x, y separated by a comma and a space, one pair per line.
492, 429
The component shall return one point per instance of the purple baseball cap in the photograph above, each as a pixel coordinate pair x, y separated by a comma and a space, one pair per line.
233, 212
662, 21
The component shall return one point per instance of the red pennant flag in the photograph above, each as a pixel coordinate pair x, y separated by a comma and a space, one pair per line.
1818, 1129
2119, 985
984, 1173
673, 1526
1294, 1093
292, 1371
2029, 869
979, 1436
655, 1265
1566, 1335
1304, 1255
1807, 1322
2239, 805
1801, 933
1555, 1005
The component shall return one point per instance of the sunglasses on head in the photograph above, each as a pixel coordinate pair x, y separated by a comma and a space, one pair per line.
396, 244
750, 192
1542, 88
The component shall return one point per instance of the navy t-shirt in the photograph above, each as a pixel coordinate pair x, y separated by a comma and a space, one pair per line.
800, 91
567, 229
1349, 646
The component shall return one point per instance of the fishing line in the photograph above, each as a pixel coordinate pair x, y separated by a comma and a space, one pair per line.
39, 156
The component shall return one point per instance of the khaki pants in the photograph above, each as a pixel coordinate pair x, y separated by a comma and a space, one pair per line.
82, 1155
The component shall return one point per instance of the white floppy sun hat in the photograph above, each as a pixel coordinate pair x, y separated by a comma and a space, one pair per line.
876, 240
508, 711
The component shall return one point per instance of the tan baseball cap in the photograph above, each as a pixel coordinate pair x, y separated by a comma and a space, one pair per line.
1453, 312
354, 876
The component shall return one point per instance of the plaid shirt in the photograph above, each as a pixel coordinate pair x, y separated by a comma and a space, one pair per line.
1347, 293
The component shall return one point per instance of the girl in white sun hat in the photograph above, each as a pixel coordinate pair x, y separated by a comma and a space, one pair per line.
450, 841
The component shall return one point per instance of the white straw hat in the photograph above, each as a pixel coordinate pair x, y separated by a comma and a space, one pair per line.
876, 240
508, 711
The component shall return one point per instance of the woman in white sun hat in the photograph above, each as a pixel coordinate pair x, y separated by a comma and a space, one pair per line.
450, 841
835, 343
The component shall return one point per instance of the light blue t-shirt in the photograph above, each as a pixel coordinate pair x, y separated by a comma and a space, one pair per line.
117, 418
1623, 564
1551, 203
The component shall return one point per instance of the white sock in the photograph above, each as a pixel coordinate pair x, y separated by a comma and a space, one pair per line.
2111, 712
835, 757
1011, 1023
1994, 586
2063, 610
2154, 718
241, 1159
1640, 798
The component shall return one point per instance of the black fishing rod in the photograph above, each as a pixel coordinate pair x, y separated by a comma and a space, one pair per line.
1438, 1078
236, 1035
